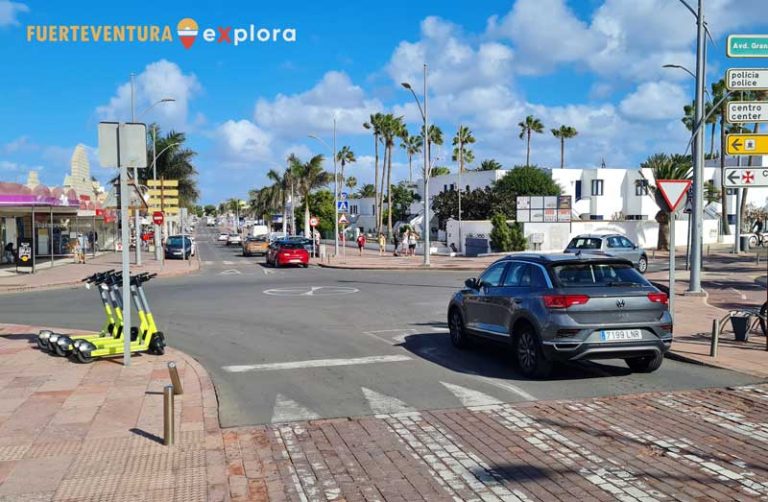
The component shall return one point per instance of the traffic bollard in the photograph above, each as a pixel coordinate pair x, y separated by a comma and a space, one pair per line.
175, 380
715, 337
168, 415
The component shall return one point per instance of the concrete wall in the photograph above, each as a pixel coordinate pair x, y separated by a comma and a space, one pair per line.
555, 236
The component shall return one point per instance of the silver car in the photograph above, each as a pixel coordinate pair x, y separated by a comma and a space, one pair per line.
553, 308
611, 245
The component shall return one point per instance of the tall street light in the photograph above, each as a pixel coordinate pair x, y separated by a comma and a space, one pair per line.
335, 187
424, 116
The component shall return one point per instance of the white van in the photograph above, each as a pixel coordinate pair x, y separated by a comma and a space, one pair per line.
258, 230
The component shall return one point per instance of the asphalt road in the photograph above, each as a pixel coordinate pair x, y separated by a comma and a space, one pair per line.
290, 344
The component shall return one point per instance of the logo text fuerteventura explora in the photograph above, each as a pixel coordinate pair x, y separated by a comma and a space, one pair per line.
187, 31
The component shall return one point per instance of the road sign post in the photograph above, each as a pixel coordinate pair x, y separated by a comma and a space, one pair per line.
313, 221
121, 146
673, 192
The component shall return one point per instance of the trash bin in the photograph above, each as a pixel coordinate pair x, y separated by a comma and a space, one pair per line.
740, 325
744, 243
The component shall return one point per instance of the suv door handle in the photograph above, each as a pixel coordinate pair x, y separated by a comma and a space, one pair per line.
517, 300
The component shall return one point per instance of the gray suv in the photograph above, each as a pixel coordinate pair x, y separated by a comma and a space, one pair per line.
612, 245
564, 308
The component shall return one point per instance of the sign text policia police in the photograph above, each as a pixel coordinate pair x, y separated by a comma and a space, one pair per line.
186, 31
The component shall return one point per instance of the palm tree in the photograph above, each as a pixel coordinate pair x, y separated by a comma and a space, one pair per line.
374, 124
563, 133
664, 167
309, 176
530, 125
391, 127
462, 154
412, 146
344, 156
366, 191
489, 165
690, 112
283, 185
174, 163
435, 138
351, 182
711, 192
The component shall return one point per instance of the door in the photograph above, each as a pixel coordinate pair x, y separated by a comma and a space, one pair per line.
615, 247
475, 301
633, 252
502, 301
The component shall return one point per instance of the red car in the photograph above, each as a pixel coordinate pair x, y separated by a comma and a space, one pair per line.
282, 253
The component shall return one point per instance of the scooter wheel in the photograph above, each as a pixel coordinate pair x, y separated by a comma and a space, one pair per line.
157, 344
81, 358
58, 350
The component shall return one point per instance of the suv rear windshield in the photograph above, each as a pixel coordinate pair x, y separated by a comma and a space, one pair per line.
176, 242
584, 243
597, 274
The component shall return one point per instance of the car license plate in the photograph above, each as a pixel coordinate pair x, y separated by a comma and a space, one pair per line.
295, 261
620, 335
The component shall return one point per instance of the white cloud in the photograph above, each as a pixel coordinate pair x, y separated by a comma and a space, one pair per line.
20, 144
243, 142
9, 12
655, 101
313, 111
159, 80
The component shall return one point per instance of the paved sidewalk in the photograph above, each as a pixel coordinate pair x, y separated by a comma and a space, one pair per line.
71, 432
71, 274
371, 260
94, 432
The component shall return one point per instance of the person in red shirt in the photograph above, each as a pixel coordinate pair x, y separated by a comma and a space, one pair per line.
360, 243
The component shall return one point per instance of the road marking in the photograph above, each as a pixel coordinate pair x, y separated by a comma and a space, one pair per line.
398, 339
382, 404
316, 363
312, 291
208, 262
231, 271
508, 386
470, 397
288, 410
226, 262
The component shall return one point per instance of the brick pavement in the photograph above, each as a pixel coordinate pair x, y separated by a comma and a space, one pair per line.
70, 274
75, 432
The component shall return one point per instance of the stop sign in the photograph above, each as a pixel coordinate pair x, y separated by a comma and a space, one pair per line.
313, 221
157, 217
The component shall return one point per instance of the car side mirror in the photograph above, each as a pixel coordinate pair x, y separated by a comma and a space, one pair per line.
472, 283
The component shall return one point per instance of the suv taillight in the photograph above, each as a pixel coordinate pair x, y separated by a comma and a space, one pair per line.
658, 298
564, 301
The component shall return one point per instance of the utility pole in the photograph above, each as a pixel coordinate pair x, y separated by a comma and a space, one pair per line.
697, 213
136, 183
427, 173
335, 191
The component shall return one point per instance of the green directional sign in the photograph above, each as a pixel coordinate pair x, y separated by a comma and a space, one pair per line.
747, 46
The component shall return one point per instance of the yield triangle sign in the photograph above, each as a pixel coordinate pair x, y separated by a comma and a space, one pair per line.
673, 191
343, 219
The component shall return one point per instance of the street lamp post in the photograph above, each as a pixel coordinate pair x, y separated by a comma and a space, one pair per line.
694, 285
335, 187
427, 169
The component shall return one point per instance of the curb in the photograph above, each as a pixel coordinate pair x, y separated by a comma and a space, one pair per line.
72, 284
400, 269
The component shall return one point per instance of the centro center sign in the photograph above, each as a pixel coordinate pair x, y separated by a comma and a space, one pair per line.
742, 112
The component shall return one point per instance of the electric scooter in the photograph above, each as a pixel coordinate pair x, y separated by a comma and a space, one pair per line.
63, 345
46, 339
148, 338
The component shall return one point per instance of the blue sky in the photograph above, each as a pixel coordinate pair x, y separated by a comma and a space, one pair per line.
592, 64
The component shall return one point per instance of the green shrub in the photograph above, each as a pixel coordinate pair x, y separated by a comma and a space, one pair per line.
501, 236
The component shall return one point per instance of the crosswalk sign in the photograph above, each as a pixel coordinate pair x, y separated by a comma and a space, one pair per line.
343, 206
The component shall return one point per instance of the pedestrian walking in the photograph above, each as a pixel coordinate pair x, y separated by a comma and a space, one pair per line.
360, 243
383, 244
412, 241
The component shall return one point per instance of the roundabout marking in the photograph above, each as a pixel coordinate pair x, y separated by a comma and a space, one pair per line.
312, 291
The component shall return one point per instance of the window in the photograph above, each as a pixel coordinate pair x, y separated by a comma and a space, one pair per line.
578, 189
467, 188
641, 187
585, 243
615, 242
626, 243
492, 276
524, 275
353, 209
445, 188
597, 187
373, 208
578, 275
598, 217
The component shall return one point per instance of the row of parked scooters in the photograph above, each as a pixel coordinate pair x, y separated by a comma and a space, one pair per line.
109, 340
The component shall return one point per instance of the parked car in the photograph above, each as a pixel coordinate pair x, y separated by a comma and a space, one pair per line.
307, 243
611, 245
282, 253
277, 236
563, 307
234, 238
255, 245
179, 247
223, 237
